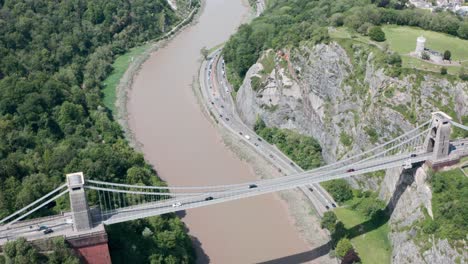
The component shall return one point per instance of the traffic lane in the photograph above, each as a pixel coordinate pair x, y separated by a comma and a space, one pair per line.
288, 165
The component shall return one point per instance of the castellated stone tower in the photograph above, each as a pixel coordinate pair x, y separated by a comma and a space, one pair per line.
420, 44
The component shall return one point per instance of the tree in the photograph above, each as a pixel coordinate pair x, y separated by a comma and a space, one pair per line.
343, 247
443, 71
376, 34
204, 52
339, 189
351, 257
328, 220
463, 30
20, 252
447, 55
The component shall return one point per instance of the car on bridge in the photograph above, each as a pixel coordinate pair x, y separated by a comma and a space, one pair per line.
48, 231
251, 186
350, 170
209, 198
41, 228
176, 204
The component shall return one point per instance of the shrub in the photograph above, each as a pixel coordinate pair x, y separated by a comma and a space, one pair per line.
425, 56
376, 34
393, 59
463, 74
447, 55
328, 220
343, 247
339, 189
443, 71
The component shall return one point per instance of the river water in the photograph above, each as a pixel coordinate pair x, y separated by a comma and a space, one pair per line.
186, 148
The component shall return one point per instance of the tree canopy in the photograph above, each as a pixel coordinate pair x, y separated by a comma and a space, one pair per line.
54, 56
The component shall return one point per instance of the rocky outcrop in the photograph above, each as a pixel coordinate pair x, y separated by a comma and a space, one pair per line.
344, 97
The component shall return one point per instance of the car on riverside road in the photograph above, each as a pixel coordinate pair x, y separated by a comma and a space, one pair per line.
176, 204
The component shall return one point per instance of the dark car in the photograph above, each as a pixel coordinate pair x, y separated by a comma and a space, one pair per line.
212, 103
251, 186
279, 170
227, 119
240, 133
413, 155
222, 106
256, 144
271, 155
328, 207
209, 198
42, 228
350, 170
220, 115
311, 189
259, 139
292, 164
48, 231
334, 205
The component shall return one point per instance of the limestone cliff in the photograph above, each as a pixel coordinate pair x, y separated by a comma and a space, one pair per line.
342, 94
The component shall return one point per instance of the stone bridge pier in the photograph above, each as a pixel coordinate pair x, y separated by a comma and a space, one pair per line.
438, 142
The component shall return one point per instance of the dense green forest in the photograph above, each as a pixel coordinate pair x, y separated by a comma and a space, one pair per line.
22, 252
303, 150
449, 199
53, 57
289, 22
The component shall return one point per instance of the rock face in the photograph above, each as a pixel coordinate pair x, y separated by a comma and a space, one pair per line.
343, 96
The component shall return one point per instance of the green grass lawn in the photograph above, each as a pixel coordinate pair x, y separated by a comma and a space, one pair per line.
412, 62
119, 66
403, 40
372, 245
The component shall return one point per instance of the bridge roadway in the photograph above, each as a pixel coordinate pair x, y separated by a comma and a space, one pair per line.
263, 187
216, 91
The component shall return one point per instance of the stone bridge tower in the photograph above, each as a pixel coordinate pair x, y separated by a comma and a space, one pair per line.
438, 139
78, 202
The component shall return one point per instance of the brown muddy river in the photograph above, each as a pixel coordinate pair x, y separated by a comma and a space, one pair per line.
186, 148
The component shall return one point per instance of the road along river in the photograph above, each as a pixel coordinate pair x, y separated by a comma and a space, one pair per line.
186, 148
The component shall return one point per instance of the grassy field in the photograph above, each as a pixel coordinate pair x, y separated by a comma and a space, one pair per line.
372, 245
403, 40
119, 66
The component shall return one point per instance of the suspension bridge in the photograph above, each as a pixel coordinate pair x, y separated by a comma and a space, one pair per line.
116, 202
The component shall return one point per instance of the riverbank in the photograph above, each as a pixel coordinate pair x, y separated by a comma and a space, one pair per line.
119, 84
